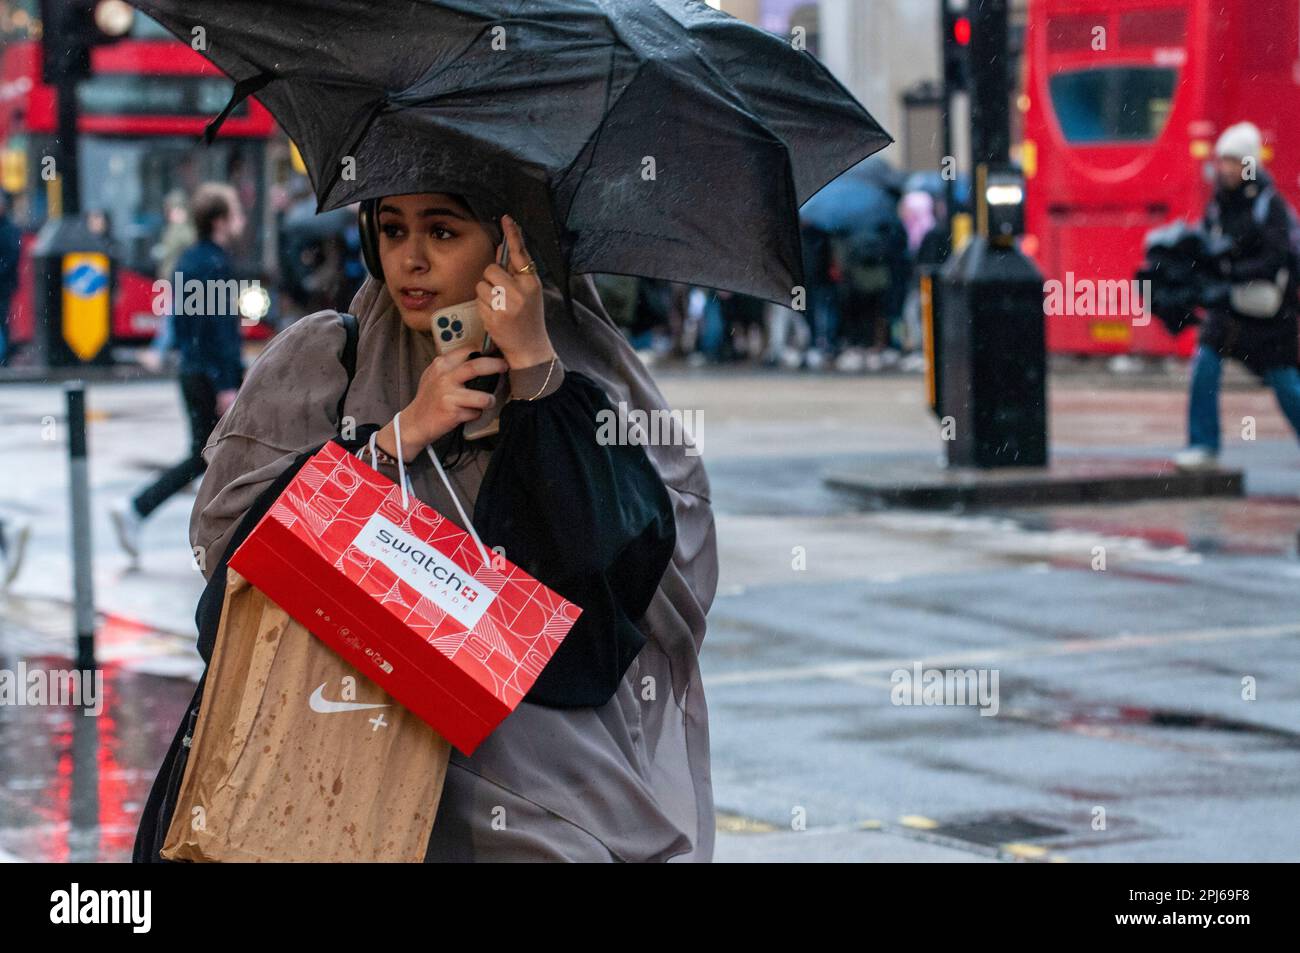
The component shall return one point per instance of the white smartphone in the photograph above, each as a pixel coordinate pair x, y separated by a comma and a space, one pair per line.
456, 326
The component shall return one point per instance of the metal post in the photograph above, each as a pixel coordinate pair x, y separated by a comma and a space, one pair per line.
949, 181
83, 584
990, 84
992, 362
69, 141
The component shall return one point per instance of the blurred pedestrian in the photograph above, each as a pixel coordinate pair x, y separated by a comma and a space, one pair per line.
678, 306
1257, 323
928, 260
871, 261
727, 327
178, 234
100, 224
712, 327
211, 369
649, 333
917, 213
787, 336
742, 319
10, 249
641, 308
619, 294
823, 297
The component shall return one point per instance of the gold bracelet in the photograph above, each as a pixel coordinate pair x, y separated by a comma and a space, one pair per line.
549, 371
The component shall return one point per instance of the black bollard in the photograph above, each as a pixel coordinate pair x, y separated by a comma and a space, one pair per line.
83, 583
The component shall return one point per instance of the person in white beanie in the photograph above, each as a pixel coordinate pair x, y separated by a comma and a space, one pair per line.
1242, 141
1256, 321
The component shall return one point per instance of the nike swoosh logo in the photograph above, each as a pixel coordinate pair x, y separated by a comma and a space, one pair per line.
320, 704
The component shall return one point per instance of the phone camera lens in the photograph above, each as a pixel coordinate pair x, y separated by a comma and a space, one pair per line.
456, 326
446, 335
442, 322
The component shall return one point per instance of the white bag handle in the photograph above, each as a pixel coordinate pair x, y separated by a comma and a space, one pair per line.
405, 482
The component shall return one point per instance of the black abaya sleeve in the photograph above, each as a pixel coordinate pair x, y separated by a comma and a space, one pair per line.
593, 522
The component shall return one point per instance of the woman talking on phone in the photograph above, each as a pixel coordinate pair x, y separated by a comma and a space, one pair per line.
607, 757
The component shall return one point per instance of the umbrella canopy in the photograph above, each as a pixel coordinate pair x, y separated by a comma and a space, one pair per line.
660, 138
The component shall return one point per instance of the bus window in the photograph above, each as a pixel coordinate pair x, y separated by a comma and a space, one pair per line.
1113, 104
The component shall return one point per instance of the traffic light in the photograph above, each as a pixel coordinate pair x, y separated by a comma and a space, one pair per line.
70, 28
956, 45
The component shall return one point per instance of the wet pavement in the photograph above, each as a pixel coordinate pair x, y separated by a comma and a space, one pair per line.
1121, 731
1121, 734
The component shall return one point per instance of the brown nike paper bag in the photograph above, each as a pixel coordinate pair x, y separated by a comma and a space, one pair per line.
296, 756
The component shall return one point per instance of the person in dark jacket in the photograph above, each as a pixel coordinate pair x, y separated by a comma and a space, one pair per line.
208, 338
10, 245
1249, 214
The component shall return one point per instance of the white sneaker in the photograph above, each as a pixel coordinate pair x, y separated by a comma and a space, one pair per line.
1196, 458
913, 363
850, 361
814, 360
127, 523
13, 546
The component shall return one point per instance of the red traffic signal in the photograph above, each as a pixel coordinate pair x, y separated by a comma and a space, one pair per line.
961, 31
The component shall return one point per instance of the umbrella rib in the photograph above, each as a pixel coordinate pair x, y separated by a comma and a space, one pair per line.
375, 109
243, 89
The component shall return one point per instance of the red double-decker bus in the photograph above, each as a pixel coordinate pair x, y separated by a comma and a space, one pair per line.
141, 115
1123, 100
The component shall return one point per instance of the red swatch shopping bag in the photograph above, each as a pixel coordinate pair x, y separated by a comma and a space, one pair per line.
405, 595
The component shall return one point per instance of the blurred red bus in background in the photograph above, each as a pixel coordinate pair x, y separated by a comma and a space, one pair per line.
1122, 102
141, 115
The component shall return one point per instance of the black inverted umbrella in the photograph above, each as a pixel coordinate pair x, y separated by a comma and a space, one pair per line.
660, 138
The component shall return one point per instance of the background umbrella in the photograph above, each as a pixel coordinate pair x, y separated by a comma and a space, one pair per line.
854, 200
660, 137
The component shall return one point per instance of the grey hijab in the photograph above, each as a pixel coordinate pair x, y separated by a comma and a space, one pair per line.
627, 781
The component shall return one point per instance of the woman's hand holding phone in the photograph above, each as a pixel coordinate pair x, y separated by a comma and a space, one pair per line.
511, 305
442, 402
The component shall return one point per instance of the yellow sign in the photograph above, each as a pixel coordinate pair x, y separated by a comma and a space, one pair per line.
927, 338
1110, 332
54, 197
13, 170
961, 231
295, 159
86, 305
1029, 158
